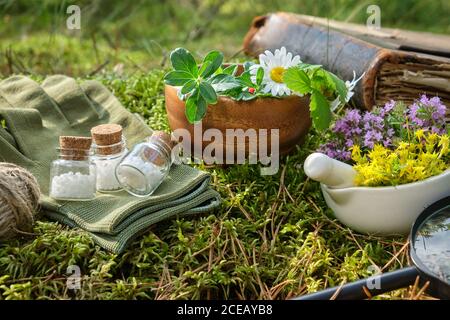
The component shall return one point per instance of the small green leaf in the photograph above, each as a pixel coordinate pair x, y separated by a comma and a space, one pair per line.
230, 70
177, 78
211, 63
219, 78
238, 95
224, 82
309, 67
245, 79
208, 93
235, 93
297, 80
341, 89
189, 86
195, 107
246, 96
320, 111
205, 65
259, 76
320, 82
182, 60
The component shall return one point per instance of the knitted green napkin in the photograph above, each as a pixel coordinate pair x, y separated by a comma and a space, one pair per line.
36, 115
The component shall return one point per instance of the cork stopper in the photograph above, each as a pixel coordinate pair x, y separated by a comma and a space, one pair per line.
74, 148
107, 139
163, 137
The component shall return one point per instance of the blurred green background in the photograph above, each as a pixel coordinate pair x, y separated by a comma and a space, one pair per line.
130, 36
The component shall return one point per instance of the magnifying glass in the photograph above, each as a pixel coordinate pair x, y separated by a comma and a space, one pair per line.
430, 255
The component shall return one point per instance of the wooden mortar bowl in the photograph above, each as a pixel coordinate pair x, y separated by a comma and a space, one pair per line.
290, 115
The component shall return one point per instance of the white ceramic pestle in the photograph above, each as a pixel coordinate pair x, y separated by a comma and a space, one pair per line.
374, 210
331, 172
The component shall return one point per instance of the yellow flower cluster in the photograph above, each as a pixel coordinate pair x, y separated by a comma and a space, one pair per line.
425, 156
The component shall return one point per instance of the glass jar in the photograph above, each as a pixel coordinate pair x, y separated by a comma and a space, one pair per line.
106, 159
146, 166
73, 175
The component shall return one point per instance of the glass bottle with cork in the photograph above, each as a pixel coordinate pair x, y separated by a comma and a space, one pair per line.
109, 149
73, 174
147, 165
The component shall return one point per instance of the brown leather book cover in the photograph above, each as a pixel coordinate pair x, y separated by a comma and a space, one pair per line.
398, 64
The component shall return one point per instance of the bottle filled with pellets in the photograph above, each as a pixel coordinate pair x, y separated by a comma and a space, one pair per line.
109, 148
73, 174
147, 165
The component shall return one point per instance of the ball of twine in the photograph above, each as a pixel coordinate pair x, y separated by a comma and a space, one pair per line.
19, 199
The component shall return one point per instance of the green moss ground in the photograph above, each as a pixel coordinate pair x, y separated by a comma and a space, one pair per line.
272, 238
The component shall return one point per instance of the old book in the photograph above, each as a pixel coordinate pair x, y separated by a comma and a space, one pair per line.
398, 64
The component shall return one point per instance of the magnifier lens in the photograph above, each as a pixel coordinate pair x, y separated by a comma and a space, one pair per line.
432, 244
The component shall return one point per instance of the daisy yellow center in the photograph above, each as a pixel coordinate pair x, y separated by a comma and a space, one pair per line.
276, 74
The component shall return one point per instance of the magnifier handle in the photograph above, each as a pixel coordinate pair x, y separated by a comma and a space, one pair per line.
375, 285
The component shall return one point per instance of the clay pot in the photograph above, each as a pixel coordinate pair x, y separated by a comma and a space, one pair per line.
290, 115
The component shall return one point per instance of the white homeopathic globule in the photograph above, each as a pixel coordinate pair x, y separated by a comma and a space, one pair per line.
73, 185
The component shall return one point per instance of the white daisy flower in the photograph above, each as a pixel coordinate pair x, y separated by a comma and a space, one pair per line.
274, 66
350, 86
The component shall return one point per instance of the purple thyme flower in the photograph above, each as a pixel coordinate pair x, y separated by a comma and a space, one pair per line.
381, 125
360, 128
372, 137
335, 151
388, 107
428, 114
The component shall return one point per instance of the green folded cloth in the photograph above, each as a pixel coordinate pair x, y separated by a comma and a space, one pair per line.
36, 115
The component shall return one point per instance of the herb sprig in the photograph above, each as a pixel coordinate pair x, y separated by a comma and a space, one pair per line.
202, 83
